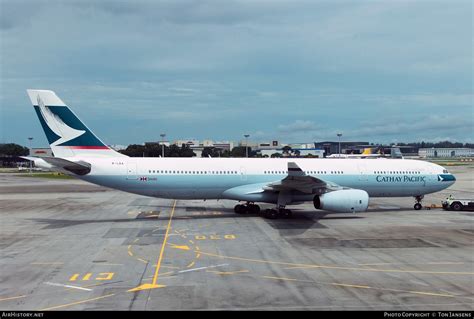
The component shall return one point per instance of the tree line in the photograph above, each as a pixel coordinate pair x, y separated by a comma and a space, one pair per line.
155, 150
12, 149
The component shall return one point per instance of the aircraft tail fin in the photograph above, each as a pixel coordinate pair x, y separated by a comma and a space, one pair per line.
395, 152
367, 151
66, 134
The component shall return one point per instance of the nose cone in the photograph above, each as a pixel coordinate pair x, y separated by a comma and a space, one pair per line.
446, 180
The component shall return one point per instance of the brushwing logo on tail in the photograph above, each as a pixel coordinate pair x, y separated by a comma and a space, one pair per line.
57, 125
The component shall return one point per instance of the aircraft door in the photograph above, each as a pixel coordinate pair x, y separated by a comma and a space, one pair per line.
243, 173
131, 170
363, 176
428, 174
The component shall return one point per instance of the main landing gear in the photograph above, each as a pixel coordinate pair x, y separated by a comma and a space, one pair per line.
277, 213
284, 198
251, 208
418, 205
248, 208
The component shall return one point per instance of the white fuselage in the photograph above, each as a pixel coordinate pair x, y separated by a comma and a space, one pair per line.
235, 178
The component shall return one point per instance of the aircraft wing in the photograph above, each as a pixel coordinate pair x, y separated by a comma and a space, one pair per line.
298, 180
79, 167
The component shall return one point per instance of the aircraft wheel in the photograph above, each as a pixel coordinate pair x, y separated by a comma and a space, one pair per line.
286, 213
240, 209
253, 209
271, 214
417, 206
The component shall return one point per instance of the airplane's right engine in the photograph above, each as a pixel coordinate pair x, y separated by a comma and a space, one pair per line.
343, 201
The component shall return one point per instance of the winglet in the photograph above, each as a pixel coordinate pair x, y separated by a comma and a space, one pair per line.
294, 170
45, 96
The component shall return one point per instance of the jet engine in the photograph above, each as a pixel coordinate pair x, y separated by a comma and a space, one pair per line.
343, 201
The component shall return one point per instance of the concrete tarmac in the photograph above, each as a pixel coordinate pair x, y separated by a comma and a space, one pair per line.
69, 245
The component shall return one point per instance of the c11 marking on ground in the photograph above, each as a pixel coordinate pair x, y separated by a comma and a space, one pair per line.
88, 276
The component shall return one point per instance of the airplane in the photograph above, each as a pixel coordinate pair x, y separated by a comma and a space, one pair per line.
333, 185
367, 153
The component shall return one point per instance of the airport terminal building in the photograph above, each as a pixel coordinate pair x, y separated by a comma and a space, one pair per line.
445, 152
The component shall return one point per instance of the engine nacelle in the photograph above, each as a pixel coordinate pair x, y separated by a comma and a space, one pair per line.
343, 201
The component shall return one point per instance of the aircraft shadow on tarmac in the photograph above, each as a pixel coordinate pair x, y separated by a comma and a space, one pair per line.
63, 223
298, 223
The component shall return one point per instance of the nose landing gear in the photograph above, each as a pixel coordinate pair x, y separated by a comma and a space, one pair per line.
418, 205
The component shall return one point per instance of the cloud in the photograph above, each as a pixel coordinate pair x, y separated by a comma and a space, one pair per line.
301, 70
424, 100
298, 126
450, 127
399, 128
437, 123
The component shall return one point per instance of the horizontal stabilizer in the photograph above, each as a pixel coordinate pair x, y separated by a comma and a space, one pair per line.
78, 168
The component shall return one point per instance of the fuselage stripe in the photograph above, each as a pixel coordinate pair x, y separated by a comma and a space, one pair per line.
88, 147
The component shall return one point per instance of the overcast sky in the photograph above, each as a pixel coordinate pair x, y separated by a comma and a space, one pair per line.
298, 71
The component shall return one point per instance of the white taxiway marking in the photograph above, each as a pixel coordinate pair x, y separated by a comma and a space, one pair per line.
201, 268
67, 286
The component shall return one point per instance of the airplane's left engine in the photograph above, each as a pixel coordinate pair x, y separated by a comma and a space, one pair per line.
343, 201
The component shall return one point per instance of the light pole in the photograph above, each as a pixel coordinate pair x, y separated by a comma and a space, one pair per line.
339, 135
246, 145
162, 144
30, 139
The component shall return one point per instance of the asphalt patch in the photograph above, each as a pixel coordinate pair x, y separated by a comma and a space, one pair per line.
331, 243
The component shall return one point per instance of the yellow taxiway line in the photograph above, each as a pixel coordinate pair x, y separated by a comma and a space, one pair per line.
424, 293
315, 266
351, 286
154, 284
76, 303
283, 278
12, 298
